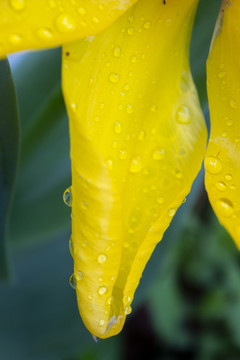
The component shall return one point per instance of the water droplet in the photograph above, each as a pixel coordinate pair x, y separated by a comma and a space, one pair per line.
15, 39
171, 212
44, 33
110, 164
102, 290
221, 74
79, 275
101, 322
183, 115
136, 165
129, 109
114, 78
73, 281
229, 122
160, 200
65, 23
147, 25
117, 51
71, 247
109, 300
102, 258
127, 310
154, 108
95, 20
158, 154
117, 127
134, 59
221, 186
225, 207
213, 165
67, 197
81, 11
90, 297
122, 154
130, 31
228, 177
233, 187
18, 4
141, 135
233, 104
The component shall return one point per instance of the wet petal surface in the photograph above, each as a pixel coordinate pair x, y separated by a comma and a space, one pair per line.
35, 24
137, 142
222, 163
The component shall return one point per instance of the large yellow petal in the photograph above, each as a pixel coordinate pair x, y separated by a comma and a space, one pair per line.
36, 24
222, 163
137, 142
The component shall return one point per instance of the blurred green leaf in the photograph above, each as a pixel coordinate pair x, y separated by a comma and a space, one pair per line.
38, 212
9, 149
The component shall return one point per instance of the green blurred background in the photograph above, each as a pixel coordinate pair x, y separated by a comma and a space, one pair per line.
188, 303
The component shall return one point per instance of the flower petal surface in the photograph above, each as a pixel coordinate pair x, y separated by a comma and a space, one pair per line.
138, 138
36, 24
222, 163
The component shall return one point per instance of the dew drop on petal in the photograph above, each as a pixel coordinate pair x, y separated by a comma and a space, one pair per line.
213, 165
102, 290
71, 247
101, 322
183, 115
127, 310
65, 23
73, 281
67, 197
221, 186
17, 4
102, 259
225, 207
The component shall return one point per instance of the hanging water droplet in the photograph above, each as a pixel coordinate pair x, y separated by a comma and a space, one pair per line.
71, 247
67, 197
102, 259
225, 207
73, 281
183, 115
127, 310
171, 212
102, 290
213, 165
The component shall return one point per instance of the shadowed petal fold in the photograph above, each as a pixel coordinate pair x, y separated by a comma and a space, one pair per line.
36, 24
138, 139
222, 163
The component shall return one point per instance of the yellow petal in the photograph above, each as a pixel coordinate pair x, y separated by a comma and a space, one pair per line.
222, 163
137, 142
36, 24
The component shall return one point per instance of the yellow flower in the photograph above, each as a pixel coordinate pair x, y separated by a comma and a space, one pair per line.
137, 133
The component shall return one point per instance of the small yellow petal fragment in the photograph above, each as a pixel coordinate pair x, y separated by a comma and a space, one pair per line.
28, 24
222, 163
136, 165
